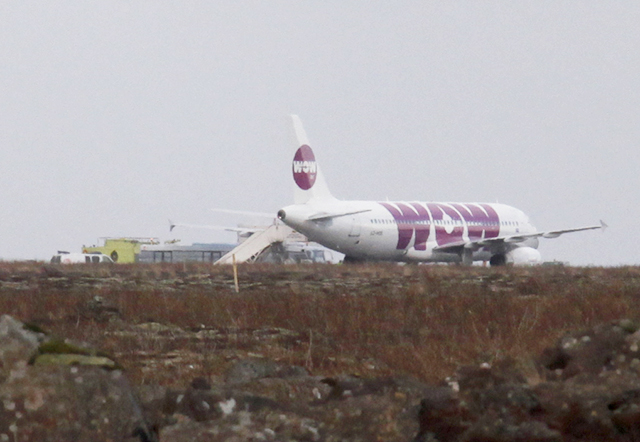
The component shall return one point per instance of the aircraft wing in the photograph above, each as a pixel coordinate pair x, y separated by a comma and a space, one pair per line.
553, 233
173, 225
245, 212
328, 215
510, 239
557, 233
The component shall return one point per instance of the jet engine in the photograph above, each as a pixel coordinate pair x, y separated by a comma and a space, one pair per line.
524, 256
520, 256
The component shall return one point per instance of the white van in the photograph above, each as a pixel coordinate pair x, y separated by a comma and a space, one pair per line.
80, 258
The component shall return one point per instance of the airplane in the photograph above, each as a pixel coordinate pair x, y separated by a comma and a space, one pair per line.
408, 231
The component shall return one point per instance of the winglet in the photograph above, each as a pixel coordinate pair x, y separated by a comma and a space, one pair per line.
603, 225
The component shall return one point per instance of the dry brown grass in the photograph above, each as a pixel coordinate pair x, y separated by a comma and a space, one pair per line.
418, 320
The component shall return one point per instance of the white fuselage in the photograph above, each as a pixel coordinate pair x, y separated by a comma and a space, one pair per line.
408, 231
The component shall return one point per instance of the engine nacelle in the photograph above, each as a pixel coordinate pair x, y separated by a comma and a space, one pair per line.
523, 256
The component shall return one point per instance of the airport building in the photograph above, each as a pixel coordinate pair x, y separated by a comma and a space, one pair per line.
150, 253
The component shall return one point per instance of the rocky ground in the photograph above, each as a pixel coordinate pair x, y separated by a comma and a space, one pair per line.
80, 360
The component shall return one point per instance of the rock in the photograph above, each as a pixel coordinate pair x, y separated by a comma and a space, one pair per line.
73, 359
604, 347
490, 429
54, 351
99, 309
50, 271
591, 393
246, 370
442, 415
349, 386
69, 403
56, 401
304, 408
625, 412
588, 389
18, 344
200, 405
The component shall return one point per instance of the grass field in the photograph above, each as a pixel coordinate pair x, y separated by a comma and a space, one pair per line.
168, 323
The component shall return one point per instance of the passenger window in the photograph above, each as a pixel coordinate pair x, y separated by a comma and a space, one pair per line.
95, 259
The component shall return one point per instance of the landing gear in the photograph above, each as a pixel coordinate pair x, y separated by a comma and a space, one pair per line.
352, 260
498, 260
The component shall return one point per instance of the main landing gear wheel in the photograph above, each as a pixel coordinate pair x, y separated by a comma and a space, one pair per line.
498, 260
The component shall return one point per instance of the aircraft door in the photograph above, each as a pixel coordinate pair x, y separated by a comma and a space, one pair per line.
355, 227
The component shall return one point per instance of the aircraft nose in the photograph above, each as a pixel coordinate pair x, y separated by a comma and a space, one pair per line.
282, 214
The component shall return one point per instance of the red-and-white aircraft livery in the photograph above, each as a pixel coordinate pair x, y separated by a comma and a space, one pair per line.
408, 231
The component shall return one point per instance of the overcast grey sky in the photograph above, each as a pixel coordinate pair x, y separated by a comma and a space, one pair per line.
115, 116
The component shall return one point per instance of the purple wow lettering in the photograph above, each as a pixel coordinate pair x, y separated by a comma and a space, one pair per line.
409, 220
482, 220
415, 218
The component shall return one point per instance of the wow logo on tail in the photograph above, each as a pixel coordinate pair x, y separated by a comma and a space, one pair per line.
305, 169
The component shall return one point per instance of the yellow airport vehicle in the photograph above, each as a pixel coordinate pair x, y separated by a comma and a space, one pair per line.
121, 250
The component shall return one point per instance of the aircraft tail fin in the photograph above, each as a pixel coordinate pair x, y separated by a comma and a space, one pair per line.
309, 183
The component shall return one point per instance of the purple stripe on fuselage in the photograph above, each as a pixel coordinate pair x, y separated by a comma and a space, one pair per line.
481, 219
422, 227
405, 220
438, 212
